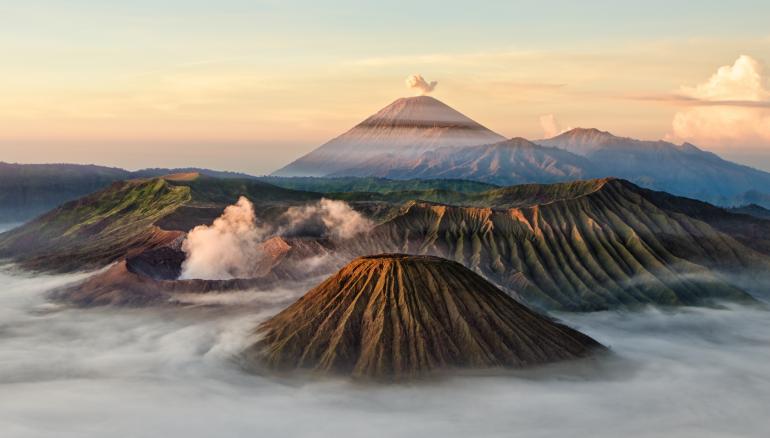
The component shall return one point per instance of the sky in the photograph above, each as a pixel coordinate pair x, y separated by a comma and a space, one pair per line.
251, 85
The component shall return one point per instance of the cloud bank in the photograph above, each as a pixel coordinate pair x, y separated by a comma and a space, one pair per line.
731, 108
420, 86
69, 372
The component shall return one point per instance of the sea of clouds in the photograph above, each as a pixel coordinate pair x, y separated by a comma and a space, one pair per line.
68, 372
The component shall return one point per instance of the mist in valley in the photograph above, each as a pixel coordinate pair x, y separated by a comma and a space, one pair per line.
69, 372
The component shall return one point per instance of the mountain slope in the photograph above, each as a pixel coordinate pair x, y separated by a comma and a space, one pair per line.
405, 128
509, 162
132, 216
97, 229
606, 248
682, 170
397, 316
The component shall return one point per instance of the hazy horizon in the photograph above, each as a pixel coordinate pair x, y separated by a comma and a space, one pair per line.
250, 86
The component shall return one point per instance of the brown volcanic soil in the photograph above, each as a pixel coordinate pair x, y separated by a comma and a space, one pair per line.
397, 316
150, 278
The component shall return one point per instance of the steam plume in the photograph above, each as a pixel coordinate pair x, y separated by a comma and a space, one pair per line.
228, 248
551, 126
420, 85
327, 218
232, 246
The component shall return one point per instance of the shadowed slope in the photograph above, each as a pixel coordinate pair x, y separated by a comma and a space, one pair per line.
398, 316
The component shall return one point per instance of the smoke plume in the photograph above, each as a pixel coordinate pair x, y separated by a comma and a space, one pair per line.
327, 218
228, 248
420, 85
551, 126
231, 247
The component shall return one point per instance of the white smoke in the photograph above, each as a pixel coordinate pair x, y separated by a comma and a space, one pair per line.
551, 126
327, 218
420, 85
231, 247
228, 248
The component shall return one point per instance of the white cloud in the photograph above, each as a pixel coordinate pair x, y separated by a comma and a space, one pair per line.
742, 118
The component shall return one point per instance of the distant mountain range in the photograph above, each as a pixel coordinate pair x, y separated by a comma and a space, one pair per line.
420, 137
420, 143
28, 190
683, 169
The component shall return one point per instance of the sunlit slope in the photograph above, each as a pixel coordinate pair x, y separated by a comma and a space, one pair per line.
397, 316
604, 248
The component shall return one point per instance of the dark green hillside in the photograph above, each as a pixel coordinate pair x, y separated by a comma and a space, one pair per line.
502, 197
375, 185
207, 190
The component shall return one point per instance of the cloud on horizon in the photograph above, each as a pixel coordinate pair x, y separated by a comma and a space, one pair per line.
730, 109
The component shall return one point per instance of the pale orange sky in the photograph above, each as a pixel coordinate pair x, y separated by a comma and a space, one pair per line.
249, 88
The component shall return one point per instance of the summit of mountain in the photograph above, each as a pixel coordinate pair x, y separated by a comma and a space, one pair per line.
406, 128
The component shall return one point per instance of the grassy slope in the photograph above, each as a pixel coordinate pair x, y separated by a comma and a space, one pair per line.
375, 185
107, 225
98, 228
502, 197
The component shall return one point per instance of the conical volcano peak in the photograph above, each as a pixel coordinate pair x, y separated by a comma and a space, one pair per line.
420, 111
404, 129
587, 135
396, 316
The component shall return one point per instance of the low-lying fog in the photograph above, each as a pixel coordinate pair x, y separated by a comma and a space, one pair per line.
162, 373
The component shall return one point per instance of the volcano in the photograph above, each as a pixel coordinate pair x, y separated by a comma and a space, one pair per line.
404, 129
397, 316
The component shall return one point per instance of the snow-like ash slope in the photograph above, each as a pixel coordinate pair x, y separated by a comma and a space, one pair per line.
407, 127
